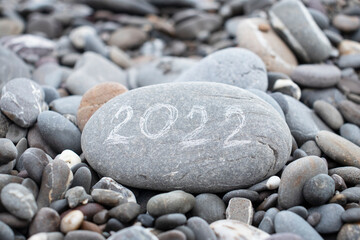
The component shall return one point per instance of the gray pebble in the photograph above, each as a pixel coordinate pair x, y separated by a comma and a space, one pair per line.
240, 209
285, 236
350, 111
19, 201
13, 221
319, 189
111, 184
170, 221
190, 235
330, 95
15, 133
134, 232
201, 229
6, 232
209, 207
352, 194
102, 217
329, 114
76, 196
351, 175
316, 75
45, 220
32, 186
50, 93
349, 61
146, 220
125, 212
300, 210
241, 193
311, 148
330, 221
35, 140
268, 202
8, 151
351, 132
351, 215
314, 218
34, 161
108, 197
267, 223
66, 105
83, 234
82, 177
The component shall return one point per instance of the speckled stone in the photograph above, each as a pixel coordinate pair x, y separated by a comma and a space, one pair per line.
349, 232
240, 209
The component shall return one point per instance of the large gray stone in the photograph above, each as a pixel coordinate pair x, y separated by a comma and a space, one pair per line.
301, 32
92, 69
21, 101
199, 137
235, 66
12, 66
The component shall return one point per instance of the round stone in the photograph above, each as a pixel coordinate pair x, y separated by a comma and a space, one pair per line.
59, 132
172, 202
330, 221
83, 234
71, 221
235, 66
22, 101
94, 98
294, 177
319, 189
19, 201
153, 116
209, 207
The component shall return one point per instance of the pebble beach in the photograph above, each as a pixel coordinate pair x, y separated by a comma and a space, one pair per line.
179, 119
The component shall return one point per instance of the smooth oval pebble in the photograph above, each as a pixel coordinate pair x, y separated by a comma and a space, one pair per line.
235, 66
201, 228
71, 221
34, 161
351, 175
329, 114
209, 207
19, 201
330, 221
346, 23
294, 178
316, 75
208, 160
351, 215
8, 151
338, 148
45, 220
242, 193
286, 221
6, 232
319, 189
231, 229
125, 212
83, 234
59, 132
350, 111
170, 221
351, 132
172, 202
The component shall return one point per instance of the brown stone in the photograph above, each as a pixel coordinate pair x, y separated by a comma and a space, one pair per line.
94, 98
346, 23
349, 47
86, 225
128, 38
257, 35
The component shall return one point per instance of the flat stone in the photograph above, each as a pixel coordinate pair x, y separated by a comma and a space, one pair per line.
301, 33
66, 105
111, 184
350, 111
240, 209
127, 38
201, 228
352, 194
8, 151
19, 201
94, 98
45, 220
235, 66
34, 160
21, 101
170, 221
286, 221
56, 179
349, 231
231, 229
316, 75
330, 95
133, 232
319, 189
329, 114
338, 148
257, 35
346, 23
306, 127
351, 215
13, 66
128, 6
160, 170
92, 69
172, 202
294, 178
83, 234
58, 132
349, 61
162, 70
351, 175
173, 234
6, 232
241, 193
125, 212
330, 221
209, 207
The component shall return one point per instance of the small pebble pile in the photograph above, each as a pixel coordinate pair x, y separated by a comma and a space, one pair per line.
179, 119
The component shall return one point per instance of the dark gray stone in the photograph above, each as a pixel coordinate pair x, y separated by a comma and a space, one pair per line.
172, 202
351, 175
329, 114
294, 177
285, 236
319, 189
108, 197
187, 231
334, 38
45, 220
316, 75
330, 221
351, 132
235, 66
6, 232
201, 229
304, 124
170, 221
301, 33
82, 177
212, 151
22, 101
125, 212
286, 221
21, 146
34, 161
32, 186
243, 193
56, 179
66, 105
13, 221
92, 69
352, 194
113, 225
209, 207
349, 61
133, 233
330, 95
13, 66
338, 148
5, 179
19, 201
59, 132
146, 220
15, 133
4, 125
129, 6
8, 151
